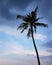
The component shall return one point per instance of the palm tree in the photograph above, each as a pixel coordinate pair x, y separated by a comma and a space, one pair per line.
31, 23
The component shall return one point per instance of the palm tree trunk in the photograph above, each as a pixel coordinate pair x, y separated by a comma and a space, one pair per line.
36, 50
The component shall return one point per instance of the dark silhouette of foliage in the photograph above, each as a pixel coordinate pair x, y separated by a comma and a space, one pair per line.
31, 23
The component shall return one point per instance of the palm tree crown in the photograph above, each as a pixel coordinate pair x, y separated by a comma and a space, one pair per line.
30, 22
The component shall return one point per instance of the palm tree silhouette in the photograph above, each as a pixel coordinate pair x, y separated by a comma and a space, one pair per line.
31, 23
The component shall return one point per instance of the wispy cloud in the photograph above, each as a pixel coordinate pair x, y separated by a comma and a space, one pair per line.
12, 31
14, 47
40, 37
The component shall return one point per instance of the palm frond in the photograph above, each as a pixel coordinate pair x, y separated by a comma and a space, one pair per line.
29, 33
28, 15
35, 12
36, 9
41, 24
26, 19
39, 18
32, 14
19, 17
22, 25
24, 28
35, 28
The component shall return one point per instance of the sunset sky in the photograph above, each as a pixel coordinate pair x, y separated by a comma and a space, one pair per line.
16, 48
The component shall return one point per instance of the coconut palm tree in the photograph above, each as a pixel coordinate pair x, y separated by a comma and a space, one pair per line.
31, 23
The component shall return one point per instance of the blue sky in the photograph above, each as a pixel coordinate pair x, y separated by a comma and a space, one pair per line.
16, 48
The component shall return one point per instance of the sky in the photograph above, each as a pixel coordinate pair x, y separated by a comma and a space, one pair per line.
16, 48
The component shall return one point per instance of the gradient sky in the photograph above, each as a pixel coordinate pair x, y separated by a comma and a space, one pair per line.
16, 48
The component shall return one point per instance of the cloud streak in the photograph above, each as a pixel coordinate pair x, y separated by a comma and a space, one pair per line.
12, 31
